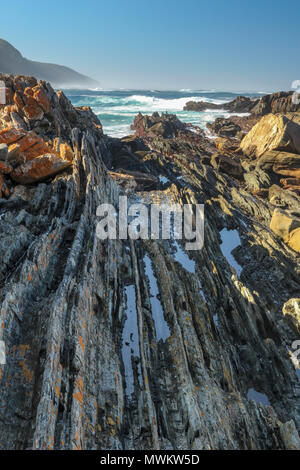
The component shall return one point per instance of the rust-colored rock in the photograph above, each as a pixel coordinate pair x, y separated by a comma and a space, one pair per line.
32, 146
32, 110
39, 169
41, 98
10, 135
18, 100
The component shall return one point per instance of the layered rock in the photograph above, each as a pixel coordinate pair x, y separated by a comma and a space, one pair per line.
39, 169
280, 102
272, 132
123, 344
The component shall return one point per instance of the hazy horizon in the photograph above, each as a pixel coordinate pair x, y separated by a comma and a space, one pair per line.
139, 46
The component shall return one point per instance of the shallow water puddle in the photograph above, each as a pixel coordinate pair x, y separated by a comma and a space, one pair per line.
186, 262
130, 340
230, 240
258, 397
201, 290
163, 179
216, 319
161, 327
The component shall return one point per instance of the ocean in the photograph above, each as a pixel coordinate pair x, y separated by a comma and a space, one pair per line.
116, 109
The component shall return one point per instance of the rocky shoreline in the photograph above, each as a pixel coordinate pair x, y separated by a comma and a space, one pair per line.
223, 377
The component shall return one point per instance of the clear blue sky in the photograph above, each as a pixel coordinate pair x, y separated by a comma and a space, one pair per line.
167, 44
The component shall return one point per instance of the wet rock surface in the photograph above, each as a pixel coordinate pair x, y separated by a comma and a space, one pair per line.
126, 344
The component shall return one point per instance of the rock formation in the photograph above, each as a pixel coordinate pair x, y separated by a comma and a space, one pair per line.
280, 102
241, 104
124, 344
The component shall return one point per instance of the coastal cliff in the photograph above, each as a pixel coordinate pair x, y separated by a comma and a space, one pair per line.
139, 344
12, 61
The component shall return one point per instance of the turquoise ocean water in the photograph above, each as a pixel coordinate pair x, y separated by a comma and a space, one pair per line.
116, 109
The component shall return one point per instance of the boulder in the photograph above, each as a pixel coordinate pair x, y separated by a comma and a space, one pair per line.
272, 132
40, 168
283, 223
224, 127
293, 240
164, 125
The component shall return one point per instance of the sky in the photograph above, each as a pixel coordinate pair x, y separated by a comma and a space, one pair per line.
235, 45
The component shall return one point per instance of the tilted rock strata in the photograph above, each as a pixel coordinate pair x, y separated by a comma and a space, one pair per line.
70, 379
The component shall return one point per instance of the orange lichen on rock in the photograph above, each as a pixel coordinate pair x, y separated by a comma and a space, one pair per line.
10, 135
79, 394
32, 110
32, 146
81, 343
41, 98
39, 168
18, 100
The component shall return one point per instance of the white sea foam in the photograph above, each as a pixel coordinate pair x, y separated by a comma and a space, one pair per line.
116, 109
149, 103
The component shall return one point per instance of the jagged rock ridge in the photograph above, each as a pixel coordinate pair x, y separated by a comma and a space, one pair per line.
138, 344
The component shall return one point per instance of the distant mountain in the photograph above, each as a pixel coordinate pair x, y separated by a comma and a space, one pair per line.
12, 61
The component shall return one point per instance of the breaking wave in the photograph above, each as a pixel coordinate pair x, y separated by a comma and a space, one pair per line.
116, 109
